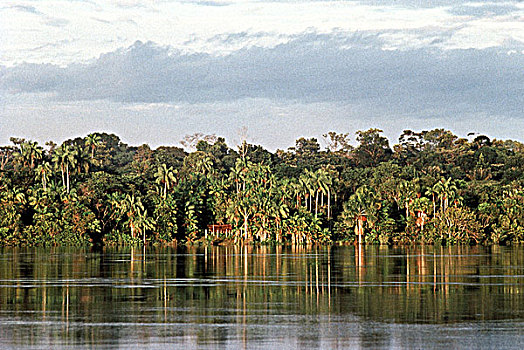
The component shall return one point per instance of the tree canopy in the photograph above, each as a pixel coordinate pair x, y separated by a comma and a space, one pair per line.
432, 186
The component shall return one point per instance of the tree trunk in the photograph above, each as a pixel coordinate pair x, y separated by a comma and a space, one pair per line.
360, 231
63, 176
245, 227
306, 199
316, 204
328, 204
67, 177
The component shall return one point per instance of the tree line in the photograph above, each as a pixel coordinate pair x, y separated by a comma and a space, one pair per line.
430, 187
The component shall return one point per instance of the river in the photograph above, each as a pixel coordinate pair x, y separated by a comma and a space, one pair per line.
266, 297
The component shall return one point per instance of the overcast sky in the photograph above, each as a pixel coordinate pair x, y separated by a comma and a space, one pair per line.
154, 71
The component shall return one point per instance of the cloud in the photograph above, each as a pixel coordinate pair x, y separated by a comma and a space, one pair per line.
197, 26
208, 3
310, 68
28, 9
272, 65
57, 22
31, 78
484, 10
431, 3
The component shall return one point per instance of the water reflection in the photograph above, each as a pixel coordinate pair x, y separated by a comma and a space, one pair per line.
245, 296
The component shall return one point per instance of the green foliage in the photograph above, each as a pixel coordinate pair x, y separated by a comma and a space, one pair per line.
432, 187
164, 215
458, 225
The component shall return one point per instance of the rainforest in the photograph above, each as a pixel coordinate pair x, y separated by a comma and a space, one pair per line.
432, 187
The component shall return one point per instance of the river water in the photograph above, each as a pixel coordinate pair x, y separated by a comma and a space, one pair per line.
262, 297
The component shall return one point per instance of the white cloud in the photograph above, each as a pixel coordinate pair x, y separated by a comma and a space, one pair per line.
214, 66
141, 107
62, 31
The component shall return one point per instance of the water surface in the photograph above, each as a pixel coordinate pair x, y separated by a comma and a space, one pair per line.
263, 297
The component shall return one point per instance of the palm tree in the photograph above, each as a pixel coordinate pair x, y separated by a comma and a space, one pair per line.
306, 181
323, 182
64, 159
82, 160
407, 192
42, 171
421, 206
204, 165
92, 141
297, 193
166, 177
242, 166
241, 208
137, 218
358, 209
36, 153
446, 190
235, 177
451, 192
432, 192
278, 209
6, 153
438, 189
29, 152
144, 223
130, 206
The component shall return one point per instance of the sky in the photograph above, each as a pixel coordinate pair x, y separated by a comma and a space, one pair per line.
155, 71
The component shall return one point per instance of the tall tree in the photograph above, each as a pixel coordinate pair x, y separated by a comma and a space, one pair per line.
43, 171
64, 159
92, 141
360, 207
165, 177
373, 147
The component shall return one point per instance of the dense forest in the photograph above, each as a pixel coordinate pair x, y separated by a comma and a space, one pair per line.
431, 187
